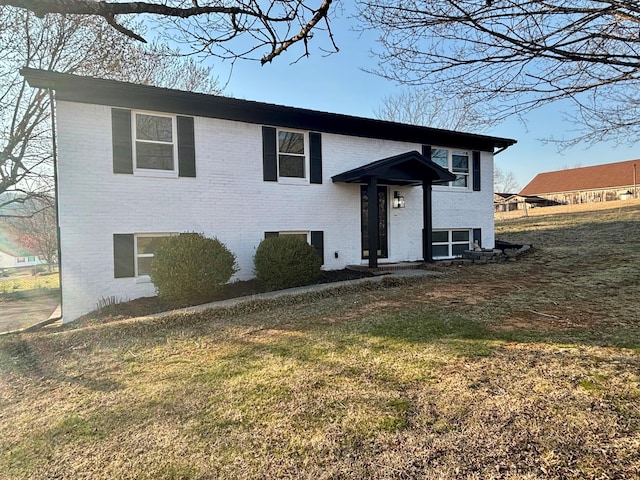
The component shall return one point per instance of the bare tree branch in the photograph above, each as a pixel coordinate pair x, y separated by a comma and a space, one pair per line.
269, 24
82, 45
511, 56
504, 182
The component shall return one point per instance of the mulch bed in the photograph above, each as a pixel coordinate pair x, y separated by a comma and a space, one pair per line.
149, 305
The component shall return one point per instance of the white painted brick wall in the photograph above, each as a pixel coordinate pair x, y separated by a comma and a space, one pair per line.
227, 199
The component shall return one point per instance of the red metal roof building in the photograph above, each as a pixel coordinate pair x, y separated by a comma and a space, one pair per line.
599, 183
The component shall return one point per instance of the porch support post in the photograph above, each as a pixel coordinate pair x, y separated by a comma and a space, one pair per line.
373, 230
427, 222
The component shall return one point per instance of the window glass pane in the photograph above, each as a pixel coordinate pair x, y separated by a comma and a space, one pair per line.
301, 236
440, 156
460, 236
460, 162
144, 265
291, 166
440, 250
149, 244
156, 156
457, 250
460, 181
150, 127
290, 142
440, 236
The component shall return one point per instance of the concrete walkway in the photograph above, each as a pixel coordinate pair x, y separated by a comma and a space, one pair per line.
262, 296
296, 291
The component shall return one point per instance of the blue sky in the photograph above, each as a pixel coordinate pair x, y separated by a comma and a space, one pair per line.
337, 83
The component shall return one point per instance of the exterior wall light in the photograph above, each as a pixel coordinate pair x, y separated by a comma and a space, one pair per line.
398, 200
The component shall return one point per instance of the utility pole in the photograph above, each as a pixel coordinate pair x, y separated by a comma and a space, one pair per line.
635, 191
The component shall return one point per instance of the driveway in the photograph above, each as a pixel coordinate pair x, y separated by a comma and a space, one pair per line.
17, 314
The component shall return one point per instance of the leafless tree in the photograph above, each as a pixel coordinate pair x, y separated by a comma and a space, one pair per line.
512, 56
79, 45
504, 182
230, 29
424, 106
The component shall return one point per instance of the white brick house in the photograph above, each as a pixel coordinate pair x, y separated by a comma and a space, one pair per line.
138, 162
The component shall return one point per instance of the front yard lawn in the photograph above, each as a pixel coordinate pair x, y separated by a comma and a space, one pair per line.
520, 370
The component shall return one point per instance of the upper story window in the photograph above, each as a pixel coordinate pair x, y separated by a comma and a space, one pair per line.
292, 154
154, 142
456, 161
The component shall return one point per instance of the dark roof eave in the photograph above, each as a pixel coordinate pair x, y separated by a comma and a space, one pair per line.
129, 95
430, 172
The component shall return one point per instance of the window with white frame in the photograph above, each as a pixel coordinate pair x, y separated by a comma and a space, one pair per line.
302, 235
450, 243
146, 245
154, 142
456, 161
292, 154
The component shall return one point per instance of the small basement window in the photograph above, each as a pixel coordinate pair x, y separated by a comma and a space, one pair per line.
450, 243
146, 245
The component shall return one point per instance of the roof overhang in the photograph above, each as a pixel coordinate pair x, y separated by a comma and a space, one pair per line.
410, 168
113, 93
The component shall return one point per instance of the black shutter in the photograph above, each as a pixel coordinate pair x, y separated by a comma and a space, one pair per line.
476, 171
271, 234
269, 156
426, 151
121, 140
315, 152
186, 147
123, 256
477, 235
317, 241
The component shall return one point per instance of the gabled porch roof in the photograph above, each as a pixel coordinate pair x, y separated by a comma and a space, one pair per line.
410, 168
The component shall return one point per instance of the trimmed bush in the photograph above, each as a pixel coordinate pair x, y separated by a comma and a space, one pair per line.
191, 268
286, 261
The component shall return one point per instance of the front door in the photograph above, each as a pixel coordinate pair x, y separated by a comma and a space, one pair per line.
364, 222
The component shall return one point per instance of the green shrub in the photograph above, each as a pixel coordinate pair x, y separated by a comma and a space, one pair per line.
286, 261
190, 268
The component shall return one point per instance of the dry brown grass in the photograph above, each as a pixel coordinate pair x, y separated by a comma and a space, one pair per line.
523, 370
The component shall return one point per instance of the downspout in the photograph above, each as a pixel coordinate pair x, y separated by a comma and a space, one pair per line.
54, 158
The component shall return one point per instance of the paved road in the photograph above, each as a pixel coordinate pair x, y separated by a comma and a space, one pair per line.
17, 314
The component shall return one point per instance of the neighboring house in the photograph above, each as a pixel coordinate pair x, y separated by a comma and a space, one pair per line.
12, 255
136, 163
508, 202
599, 183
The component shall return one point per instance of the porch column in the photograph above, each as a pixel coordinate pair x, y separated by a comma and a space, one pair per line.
373, 230
427, 221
